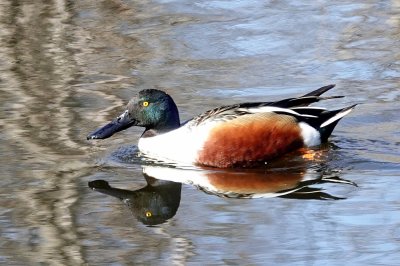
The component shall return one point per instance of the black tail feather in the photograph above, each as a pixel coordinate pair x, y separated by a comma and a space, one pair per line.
306, 99
322, 120
327, 131
303, 101
319, 91
336, 116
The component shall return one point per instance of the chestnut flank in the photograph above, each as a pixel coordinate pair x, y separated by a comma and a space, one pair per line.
250, 139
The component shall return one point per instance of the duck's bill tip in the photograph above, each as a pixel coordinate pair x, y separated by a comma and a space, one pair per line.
99, 184
91, 136
120, 123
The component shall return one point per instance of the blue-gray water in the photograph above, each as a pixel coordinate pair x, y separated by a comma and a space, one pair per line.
68, 67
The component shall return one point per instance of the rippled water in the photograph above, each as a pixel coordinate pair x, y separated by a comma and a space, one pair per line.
68, 67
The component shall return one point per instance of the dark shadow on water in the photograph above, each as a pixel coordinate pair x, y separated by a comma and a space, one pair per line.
159, 200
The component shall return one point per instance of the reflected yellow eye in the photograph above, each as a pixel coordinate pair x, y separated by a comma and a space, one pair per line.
145, 104
148, 214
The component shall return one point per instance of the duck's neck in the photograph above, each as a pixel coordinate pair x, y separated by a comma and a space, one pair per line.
170, 121
151, 132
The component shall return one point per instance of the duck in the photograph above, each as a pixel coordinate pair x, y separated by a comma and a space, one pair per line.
230, 136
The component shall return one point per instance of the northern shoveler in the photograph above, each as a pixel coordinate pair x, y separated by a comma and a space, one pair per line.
238, 135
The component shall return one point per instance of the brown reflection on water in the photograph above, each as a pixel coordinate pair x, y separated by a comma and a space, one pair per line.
38, 123
46, 51
43, 56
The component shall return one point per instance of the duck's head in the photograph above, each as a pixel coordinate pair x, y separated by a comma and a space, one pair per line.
152, 109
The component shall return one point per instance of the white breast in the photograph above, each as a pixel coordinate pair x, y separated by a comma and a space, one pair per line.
180, 145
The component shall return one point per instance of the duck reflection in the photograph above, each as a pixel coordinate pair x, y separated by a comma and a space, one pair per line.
252, 183
153, 204
159, 200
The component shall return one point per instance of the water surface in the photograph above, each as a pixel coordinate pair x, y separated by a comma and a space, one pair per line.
67, 68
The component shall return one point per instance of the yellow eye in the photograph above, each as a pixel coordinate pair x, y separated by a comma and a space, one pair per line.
145, 104
148, 214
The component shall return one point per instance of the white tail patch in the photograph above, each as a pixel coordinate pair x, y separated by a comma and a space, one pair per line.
336, 117
311, 136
